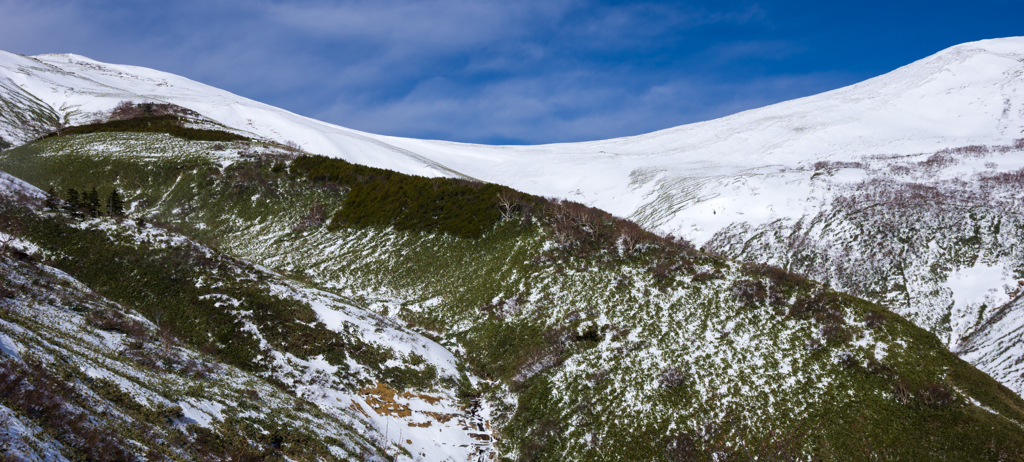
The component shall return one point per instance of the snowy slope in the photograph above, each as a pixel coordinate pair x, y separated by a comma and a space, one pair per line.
671, 179
76, 87
997, 345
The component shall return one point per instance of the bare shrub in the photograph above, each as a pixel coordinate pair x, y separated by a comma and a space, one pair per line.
975, 150
710, 443
1011, 179
316, 216
936, 396
541, 436
874, 319
902, 390
900, 169
598, 377
877, 367
749, 291
39, 127
632, 236
681, 447
116, 321
707, 275
509, 203
672, 377
847, 360
835, 331
12, 228
939, 160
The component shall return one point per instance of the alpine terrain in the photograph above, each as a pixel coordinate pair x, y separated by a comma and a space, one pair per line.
191, 275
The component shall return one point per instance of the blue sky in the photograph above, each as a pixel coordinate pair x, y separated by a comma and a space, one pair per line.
509, 71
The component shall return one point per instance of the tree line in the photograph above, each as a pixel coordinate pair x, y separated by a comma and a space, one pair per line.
86, 202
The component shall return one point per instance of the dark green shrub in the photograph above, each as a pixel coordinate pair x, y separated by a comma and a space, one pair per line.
169, 124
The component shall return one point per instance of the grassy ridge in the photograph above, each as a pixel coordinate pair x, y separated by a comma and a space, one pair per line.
379, 197
582, 341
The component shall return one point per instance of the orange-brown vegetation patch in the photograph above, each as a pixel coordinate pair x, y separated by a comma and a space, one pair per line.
439, 416
429, 399
381, 399
356, 407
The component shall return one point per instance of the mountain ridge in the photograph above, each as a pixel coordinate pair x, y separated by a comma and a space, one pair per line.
892, 219
646, 191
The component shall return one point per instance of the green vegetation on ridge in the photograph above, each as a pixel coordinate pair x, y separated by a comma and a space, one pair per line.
609, 344
378, 197
169, 124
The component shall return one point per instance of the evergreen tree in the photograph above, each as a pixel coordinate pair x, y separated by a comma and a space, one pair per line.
51, 202
91, 202
115, 205
74, 200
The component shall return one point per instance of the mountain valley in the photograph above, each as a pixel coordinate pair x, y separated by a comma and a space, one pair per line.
837, 286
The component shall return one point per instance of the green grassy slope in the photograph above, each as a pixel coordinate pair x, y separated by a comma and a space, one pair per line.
608, 354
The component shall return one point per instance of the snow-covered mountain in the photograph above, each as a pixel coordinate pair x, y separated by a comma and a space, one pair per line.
690, 180
756, 169
903, 190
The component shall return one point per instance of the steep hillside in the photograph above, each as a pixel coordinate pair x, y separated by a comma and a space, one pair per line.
937, 237
593, 340
109, 317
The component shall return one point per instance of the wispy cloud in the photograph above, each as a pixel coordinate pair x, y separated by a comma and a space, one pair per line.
483, 71
435, 25
568, 107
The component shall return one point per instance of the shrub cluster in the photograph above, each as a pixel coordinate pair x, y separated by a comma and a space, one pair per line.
142, 349
457, 207
161, 283
825, 307
127, 110
709, 442
781, 285
932, 396
379, 197
825, 164
116, 321
170, 124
